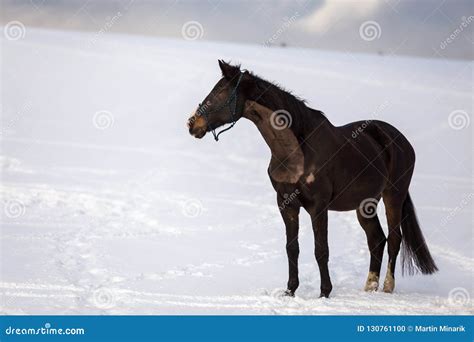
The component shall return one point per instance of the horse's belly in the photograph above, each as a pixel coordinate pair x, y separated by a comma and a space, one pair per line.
353, 192
343, 205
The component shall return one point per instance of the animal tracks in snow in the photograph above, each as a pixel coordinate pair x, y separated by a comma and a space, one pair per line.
112, 300
93, 220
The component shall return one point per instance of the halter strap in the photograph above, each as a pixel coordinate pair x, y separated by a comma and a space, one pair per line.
231, 102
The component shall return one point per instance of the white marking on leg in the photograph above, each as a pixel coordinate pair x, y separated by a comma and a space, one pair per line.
389, 282
372, 283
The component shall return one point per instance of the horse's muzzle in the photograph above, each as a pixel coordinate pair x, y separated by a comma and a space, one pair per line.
197, 126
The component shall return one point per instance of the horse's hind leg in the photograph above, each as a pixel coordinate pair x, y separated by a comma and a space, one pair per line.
376, 241
393, 208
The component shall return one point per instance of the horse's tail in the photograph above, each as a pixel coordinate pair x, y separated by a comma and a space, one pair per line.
415, 253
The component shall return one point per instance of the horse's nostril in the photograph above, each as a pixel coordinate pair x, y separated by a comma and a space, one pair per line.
197, 126
190, 125
190, 122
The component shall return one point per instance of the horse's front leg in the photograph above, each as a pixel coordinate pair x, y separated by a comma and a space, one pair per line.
290, 217
319, 219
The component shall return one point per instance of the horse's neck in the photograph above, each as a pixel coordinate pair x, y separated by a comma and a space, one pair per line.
287, 163
273, 128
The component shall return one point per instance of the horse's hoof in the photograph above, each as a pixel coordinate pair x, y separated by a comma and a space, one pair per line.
388, 284
325, 290
372, 283
289, 293
371, 286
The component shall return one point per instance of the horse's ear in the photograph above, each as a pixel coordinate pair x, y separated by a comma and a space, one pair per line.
229, 71
247, 81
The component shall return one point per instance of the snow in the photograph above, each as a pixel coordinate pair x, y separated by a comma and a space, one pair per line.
111, 207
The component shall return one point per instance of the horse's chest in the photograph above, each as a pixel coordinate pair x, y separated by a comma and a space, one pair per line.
286, 171
287, 161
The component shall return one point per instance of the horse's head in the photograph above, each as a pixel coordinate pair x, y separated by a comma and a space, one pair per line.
223, 105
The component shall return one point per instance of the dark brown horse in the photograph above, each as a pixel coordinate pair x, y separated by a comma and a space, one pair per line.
320, 167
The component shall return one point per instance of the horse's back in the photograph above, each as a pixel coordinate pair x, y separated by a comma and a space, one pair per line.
380, 132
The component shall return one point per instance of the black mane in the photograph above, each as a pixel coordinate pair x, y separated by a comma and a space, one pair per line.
271, 93
275, 97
